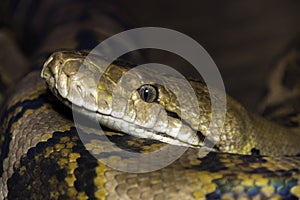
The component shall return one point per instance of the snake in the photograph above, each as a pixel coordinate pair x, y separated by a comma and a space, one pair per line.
43, 155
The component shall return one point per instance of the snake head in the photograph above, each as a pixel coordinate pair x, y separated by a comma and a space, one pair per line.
69, 79
127, 99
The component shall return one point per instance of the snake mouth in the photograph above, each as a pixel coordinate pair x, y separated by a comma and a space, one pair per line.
121, 125
204, 140
175, 115
124, 126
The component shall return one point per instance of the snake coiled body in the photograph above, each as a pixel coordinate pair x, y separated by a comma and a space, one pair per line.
42, 155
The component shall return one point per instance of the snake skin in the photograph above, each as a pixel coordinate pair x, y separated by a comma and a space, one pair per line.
42, 156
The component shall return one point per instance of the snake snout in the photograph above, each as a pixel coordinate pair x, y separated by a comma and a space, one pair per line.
46, 72
51, 72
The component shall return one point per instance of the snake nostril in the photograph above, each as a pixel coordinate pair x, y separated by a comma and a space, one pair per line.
79, 89
92, 96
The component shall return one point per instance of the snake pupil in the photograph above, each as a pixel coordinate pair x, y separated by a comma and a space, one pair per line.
148, 93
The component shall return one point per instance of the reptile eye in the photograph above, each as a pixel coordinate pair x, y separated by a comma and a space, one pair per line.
148, 93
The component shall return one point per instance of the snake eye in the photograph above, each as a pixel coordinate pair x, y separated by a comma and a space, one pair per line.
148, 93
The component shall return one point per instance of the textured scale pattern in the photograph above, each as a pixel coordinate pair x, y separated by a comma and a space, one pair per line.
42, 156
60, 166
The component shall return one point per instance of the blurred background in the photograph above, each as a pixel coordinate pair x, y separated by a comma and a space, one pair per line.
244, 38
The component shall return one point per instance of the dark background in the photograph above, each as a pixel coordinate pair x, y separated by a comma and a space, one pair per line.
244, 38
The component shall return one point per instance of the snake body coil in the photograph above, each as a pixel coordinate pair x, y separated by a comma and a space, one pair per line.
42, 155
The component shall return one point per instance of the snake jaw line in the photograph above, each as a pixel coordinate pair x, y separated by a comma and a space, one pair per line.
118, 122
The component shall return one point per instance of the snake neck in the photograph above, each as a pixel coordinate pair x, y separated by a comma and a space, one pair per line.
247, 133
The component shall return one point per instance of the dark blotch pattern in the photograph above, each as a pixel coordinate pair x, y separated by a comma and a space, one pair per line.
44, 177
